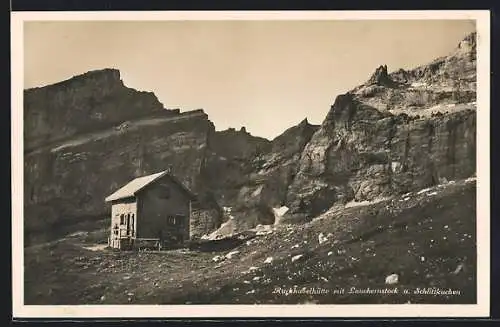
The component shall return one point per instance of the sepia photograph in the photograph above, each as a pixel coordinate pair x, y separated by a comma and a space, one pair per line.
321, 162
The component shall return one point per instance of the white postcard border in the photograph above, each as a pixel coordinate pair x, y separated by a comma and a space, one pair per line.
481, 309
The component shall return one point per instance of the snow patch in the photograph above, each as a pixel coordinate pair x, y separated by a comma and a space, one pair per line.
470, 179
352, 204
231, 254
258, 191
418, 84
97, 247
269, 260
423, 191
322, 238
77, 234
263, 229
436, 107
278, 213
218, 258
225, 230
395, 165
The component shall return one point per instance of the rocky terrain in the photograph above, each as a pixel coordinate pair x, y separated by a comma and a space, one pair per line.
380, 149
425, 239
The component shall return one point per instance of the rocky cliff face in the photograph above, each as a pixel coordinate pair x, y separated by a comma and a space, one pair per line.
69, 182
83, 104
396, 133
267, 178
361, 154
230, 144
229, 162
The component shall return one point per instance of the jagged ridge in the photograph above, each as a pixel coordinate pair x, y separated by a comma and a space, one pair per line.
375, 141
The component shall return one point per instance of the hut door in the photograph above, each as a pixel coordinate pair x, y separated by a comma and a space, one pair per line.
132, 225
128, 224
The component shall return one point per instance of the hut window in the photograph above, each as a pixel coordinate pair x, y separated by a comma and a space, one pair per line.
178, 220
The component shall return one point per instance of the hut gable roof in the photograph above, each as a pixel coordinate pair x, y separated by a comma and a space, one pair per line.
133, 187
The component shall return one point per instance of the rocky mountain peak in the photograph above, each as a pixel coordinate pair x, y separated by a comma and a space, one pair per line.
109, 73
304, 122
469, 42
381, 77
107, 77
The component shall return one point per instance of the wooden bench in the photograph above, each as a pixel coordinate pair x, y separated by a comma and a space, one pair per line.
147, 244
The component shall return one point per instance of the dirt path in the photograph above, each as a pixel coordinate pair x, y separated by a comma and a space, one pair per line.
116, 130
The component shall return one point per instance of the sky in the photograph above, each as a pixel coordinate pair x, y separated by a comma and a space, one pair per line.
264, 75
